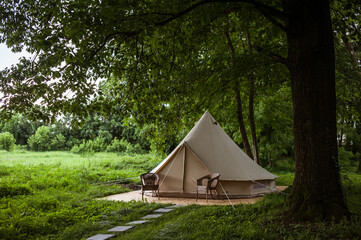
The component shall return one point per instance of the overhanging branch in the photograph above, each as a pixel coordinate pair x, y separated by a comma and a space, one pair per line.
274, 56
269, 12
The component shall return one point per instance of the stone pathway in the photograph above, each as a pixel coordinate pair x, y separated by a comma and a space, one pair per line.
164, 210
101, 237
122, 229
138, 222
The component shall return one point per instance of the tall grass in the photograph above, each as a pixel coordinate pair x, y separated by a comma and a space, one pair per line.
52, 195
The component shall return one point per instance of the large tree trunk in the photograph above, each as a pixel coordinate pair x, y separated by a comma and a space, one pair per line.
316, 192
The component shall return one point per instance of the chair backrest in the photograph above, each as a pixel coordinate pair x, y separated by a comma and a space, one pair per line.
148, 179
213, 181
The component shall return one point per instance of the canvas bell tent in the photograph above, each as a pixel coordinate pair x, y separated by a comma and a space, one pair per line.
208, 149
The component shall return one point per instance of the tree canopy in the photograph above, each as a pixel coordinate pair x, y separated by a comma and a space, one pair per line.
160, 61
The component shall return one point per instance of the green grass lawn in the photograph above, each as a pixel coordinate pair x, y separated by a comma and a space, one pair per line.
53, 195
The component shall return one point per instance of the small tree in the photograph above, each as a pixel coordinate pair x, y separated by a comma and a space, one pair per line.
7, 141
41, 140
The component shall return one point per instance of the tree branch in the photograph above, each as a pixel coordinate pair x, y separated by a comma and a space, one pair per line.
351, 51
269, 12
112, 36
273, 55
272, 19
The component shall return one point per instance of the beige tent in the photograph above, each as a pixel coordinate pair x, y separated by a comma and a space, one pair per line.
208, 149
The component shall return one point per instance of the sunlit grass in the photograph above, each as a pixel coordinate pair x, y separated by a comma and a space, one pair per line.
53, 194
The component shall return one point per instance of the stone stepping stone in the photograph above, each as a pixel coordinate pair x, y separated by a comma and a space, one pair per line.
138, 222
101, 237
176, 206
150, 216
121, 229
163, 210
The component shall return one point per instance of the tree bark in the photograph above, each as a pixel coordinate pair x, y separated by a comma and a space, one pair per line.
242, 128
252, 122
316, 192
240, 119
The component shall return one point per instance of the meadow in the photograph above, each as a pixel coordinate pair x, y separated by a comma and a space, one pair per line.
55, 195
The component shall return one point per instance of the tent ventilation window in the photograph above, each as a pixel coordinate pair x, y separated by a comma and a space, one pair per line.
259, 186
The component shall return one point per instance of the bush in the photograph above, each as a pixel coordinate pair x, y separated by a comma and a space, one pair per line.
41, 140
58, 142
7, 141
119, 146
138, 149
345, 158
85, 147
98, 145
72, 142
106, 135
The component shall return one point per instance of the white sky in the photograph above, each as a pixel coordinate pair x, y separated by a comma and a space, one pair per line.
8, 58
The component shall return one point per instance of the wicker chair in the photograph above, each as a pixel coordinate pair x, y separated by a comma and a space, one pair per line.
211, 184
150, 181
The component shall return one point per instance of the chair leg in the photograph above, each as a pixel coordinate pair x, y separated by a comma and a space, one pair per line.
219, 195
207, 195
197, 195
142, 195
158, 194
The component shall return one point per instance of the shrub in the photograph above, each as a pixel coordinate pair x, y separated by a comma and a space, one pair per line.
7, 141
106, 135
345, 158
344, 155
41, 140
58, 142
99, 144
33, 145
85, 147
138, 149
72, 142
119, 146
124, 146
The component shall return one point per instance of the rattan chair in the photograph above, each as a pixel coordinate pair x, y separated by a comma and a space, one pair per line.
209, 185
150, 181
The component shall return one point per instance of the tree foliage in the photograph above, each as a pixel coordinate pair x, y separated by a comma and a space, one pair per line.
41, 140
7, 141
164, 61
